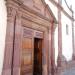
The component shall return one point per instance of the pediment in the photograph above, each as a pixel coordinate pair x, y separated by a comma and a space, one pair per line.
36, 5
39, 6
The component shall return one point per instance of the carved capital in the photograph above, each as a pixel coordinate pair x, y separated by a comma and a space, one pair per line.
10, 12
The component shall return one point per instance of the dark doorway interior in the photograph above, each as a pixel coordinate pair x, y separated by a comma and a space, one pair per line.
37, 69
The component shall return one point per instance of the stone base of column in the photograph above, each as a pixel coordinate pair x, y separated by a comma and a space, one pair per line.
53, 70
6, 72
61, 61
16, 71
61, 64
59, 71
49, 73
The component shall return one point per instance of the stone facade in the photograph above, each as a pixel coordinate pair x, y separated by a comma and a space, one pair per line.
29, 19
26, 20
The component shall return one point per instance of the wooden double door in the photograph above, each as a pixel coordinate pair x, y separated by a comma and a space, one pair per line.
31, 58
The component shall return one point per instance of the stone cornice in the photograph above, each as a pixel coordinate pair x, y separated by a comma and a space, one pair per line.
45, 25
19, 6
30, 10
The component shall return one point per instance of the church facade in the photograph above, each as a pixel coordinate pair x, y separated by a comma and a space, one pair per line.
30, 43
27, 45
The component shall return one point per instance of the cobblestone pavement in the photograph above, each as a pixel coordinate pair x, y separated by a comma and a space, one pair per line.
70, 72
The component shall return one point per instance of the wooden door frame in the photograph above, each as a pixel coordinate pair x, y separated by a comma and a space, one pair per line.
44, 51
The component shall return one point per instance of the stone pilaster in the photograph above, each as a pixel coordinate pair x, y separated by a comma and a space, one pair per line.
49, 52
45, 53
7, 65
17, 44
61, 60
52, 50
59, 37
73, 41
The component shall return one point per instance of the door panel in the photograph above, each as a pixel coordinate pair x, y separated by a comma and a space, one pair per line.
26, 59
31, 53
27, 43
27, 51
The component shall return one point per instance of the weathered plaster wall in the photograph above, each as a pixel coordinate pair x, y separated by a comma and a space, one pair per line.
66, 38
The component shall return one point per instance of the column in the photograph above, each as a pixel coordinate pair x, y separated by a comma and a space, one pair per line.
49, 52
52, 50
45, 53
59, 60
17, 44
7, 65
73, 41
